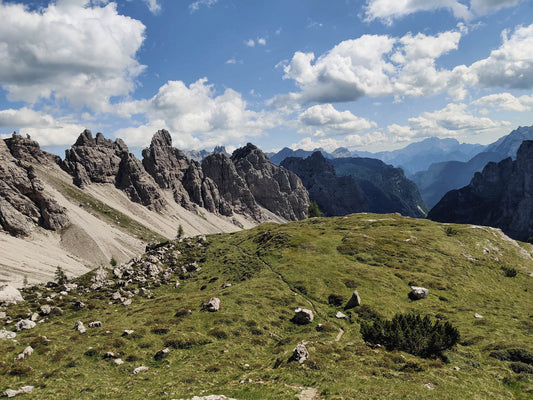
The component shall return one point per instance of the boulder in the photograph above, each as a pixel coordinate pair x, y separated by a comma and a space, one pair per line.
7, 334
162, 354
299, 354
45, 309
80, 327
302, 316
138, 370
95, 324
418, 293
340, 315
9, 295
24, 324
22, 390
212, 305
354, 301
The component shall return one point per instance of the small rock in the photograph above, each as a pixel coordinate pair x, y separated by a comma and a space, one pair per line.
109, 354
45, 309
177, 283
118, 361
418, 293
79, 305
429, 386
226, 285
340, 315
22, 390
478, 316
162, 354
302, 316
25, 324
299, 354
127, 302
354, 301
3, 315
212, 305
10, 295
95, 324
28, 351
80, 327
456, 368
127, 332
138, 370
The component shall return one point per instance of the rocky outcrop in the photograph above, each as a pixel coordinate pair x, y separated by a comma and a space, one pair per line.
23, 201
101, 160
171, 169
274, 188
334, 195
27, 150
232, 187
500, 196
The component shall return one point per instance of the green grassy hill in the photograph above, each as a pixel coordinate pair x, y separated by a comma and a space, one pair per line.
261, 275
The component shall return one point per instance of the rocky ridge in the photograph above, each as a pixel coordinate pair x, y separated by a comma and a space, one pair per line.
499, 196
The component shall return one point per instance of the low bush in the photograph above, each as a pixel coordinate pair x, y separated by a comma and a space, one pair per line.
411, 333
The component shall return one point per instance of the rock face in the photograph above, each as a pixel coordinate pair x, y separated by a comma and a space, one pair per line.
101, 160
171, 169
500, 196
275, 188
9, 295
23, 201
334, 195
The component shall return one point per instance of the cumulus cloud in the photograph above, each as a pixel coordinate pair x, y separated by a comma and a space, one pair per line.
250, 43
379, 65
43, 127
389, 10
80, 51
195, 115
261, 41
195, 6
452, 120
372, 65
325, 120
330, 144
505, 101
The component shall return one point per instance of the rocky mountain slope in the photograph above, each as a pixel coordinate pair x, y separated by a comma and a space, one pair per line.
230, 328
102, 202
346, 185
440, 178
500, 196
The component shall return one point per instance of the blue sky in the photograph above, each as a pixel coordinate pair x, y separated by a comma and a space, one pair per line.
367, 75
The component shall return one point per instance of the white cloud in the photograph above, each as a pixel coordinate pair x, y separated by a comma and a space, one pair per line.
195, 6
506, 101
250, 43
511, 65
72, 50
349, 141
375, 66
324, 119
195, 115
452, 120
389, 10
153, 6
261, 41
42, 127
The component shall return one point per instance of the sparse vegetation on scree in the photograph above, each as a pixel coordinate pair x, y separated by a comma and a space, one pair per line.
261, 276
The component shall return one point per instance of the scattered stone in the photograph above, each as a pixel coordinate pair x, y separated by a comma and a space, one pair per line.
456, 368
79, 304
226, 285
34, 317
9, 295
45, 309
126, 302
340, 315
212, 305
299, 354
162, 354
212, 397
354, 301
127, 332
109, 354
7, 334
95, 324
24, 324
118, 361
418, 293
80, 327
478, 316
70, 286
22, 390
138, 370
429, 386
177, 283
302, 316
3, 315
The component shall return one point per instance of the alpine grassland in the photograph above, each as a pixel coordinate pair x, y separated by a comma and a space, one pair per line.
261, 276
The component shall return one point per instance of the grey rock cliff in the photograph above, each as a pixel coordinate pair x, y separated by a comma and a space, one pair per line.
171, 169
500, 196
23, 201
275, 188
101, 160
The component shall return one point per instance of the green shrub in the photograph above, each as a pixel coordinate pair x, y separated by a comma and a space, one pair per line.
113, 262
509, 272
335, 300
411, 333
60, 276
313, 210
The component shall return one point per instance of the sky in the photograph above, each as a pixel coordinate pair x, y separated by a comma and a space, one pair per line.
362, 74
